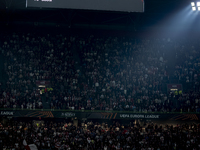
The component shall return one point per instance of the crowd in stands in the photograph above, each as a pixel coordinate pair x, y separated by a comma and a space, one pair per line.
100, 73
90, 136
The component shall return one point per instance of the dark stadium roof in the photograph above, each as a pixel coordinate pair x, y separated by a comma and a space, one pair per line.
15, 12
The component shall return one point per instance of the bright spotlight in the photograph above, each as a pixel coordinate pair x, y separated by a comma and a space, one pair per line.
198, 3
198, 8
194, 8
192, 4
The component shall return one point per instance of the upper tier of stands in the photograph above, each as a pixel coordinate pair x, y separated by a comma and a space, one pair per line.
100, 73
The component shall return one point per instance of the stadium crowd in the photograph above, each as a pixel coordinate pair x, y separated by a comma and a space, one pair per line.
90, 136
113, 73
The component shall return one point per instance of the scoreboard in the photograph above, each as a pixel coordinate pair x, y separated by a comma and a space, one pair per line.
105, 5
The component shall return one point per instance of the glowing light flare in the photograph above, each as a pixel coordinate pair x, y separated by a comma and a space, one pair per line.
198, 3
198, 8
194, 8
192, 4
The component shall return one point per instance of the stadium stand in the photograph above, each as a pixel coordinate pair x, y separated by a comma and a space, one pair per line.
73, 79
89, 135
99, 73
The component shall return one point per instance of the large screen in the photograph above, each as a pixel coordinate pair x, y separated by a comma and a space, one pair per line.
106, 5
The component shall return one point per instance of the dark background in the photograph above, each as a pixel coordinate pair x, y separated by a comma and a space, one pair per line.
14, 13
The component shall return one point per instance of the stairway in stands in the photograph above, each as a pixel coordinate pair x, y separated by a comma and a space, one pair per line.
3, 75
45, 101
76, 59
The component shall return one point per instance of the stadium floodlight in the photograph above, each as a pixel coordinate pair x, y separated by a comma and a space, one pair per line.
194, 8
192, 4
198, 4
198, 8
